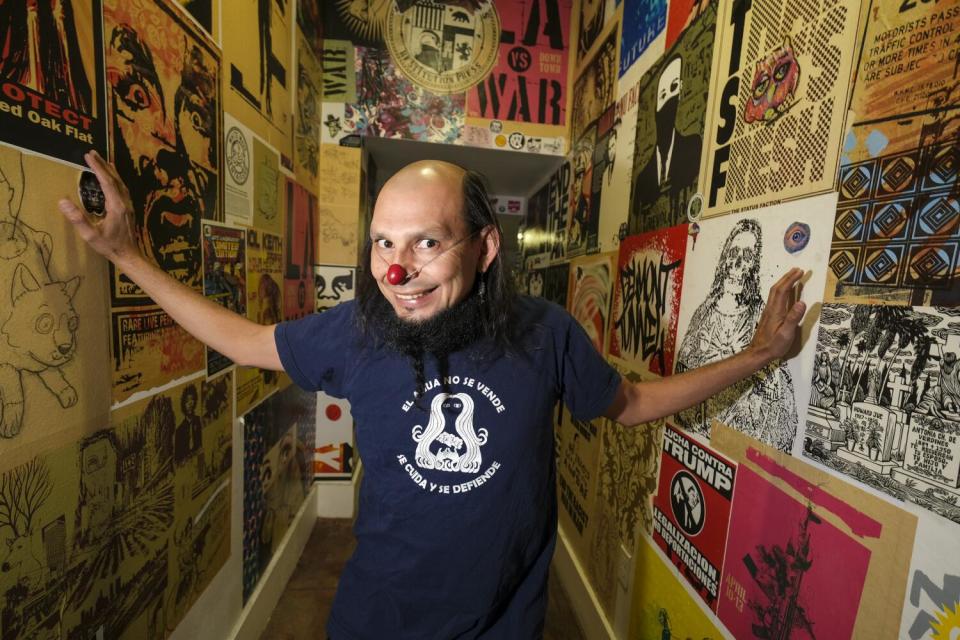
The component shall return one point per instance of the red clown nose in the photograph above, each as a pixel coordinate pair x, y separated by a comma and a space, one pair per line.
396, 274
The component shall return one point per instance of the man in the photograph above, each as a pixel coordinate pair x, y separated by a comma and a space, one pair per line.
674, 162
452, 381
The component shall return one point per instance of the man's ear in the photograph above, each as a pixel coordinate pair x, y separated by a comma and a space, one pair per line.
489, 246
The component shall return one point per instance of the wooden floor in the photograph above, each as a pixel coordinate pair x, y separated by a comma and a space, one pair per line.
305, 603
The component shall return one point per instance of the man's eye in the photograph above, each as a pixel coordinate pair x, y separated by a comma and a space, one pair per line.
428, 243
383, 243
136, 96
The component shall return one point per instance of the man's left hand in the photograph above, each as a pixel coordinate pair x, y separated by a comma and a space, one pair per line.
778, 329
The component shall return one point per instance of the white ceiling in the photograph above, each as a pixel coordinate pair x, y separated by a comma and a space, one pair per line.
509, 173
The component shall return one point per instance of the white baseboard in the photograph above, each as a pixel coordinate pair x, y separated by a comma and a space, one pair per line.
255, 616
586, 606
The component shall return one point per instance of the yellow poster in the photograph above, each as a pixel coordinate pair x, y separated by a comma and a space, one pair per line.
259, 73
53, 293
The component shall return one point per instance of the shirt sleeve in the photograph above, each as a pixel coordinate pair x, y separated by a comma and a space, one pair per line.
313, 349
588, 382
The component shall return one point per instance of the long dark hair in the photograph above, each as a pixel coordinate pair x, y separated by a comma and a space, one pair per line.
499, 290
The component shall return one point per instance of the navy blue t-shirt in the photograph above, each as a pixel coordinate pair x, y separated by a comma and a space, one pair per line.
457, 517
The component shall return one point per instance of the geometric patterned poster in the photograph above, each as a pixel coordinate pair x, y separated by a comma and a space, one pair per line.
897, 232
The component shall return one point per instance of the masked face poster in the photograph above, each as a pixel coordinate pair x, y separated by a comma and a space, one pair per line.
164, 80
51, 65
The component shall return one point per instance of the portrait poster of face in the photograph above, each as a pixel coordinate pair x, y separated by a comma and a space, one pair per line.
52, 96
692, 510
224, 277
778, 106
298, 284
731, 264
278, 440
334, 284
52, 301
807, 551
671, 111
164, 97
259, 85
648, 282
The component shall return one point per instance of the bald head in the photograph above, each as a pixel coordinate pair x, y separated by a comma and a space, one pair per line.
425, 174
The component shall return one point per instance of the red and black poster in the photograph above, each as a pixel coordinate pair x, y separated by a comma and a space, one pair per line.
51, 77
692, 510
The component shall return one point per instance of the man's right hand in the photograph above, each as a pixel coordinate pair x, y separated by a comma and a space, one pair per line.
113, 236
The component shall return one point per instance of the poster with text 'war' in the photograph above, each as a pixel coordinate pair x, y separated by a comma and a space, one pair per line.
897, 231
527, 85
164, 95
53, 293
692, 510
51, 78
779, 101
646, 300
808, 552
737, 259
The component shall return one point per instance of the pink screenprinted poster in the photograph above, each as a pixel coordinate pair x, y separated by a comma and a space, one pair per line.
789, 573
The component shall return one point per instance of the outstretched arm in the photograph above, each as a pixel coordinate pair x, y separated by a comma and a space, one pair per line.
638, 402
243, 341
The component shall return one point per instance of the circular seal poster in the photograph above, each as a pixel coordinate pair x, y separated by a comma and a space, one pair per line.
444, 48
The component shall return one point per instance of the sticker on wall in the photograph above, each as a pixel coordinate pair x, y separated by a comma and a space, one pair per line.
672, 104
780, 101
528, 82
334, 284
298, 251
646, 300
885, 401
224, 277
51, 92
166, 134
334, 447
444, 48
897, 232
692, 510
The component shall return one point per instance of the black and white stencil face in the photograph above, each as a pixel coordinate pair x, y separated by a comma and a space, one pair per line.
91, 195
686, 500
334, 285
